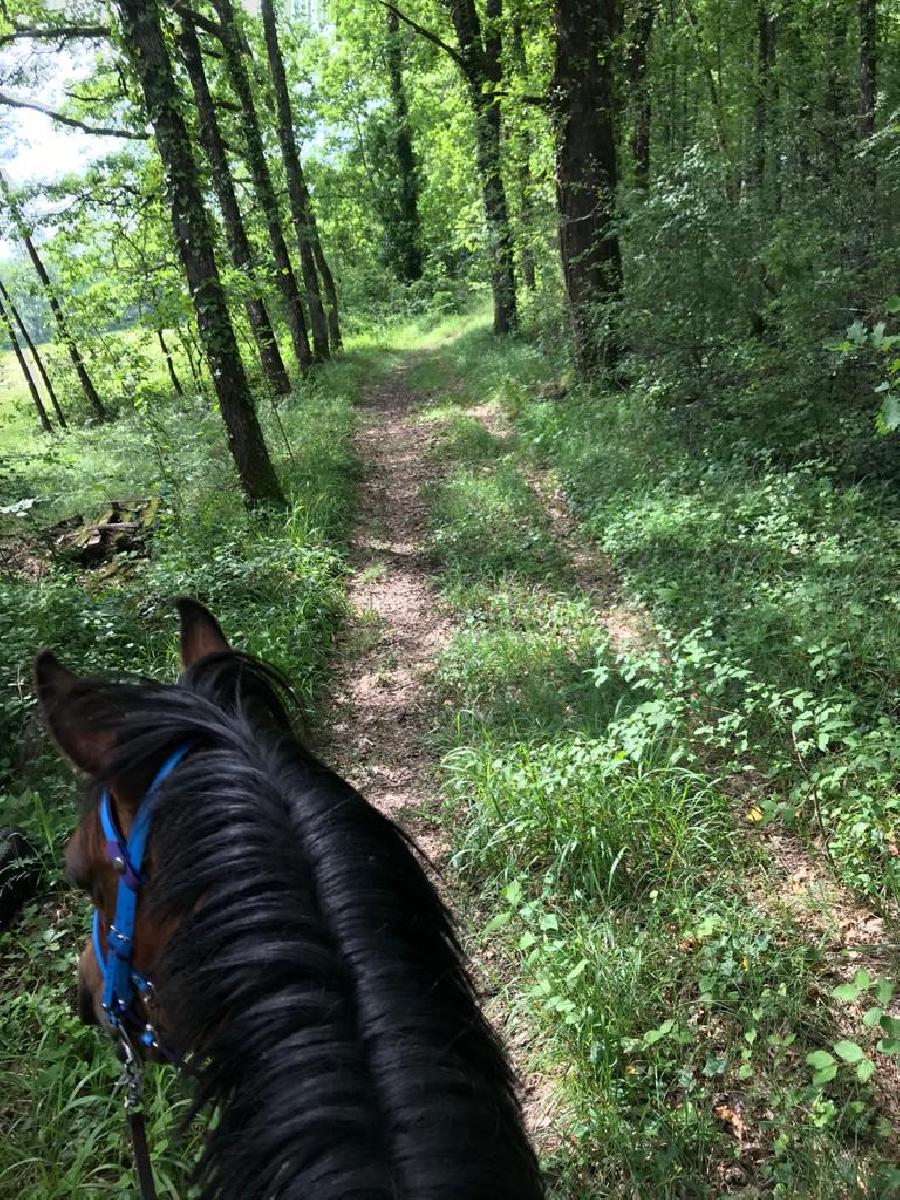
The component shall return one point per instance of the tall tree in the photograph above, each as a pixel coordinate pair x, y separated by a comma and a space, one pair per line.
636, 69
765, 26
298, 195
23, 365
586, 172
233, 48
145, 44
36, 357
479, 59
62, 325
238, 242
868, 61
523, 178
407, 236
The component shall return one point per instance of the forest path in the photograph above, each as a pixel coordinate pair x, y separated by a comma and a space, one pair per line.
382, 707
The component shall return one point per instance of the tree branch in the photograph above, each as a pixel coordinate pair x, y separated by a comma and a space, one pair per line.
208, 25
49, 34
425, 33
12, 102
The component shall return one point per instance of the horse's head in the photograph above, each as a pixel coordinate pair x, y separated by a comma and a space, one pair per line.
90, 719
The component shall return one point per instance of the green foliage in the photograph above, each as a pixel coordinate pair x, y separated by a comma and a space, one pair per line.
581, 777
276, 583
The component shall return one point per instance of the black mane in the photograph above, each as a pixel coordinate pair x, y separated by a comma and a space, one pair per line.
315, 975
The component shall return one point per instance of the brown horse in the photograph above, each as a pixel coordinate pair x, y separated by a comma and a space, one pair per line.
258, 919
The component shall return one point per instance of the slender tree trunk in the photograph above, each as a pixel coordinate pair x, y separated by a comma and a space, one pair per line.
189, 355
262, 180
409, 231
238, 243
523, 173
868, 58
144, 42
765, 26
586, 173
35, 357
636, 70
835, 97
170, 364
29, 378
62, 325
481, 67
334, 324
298, 195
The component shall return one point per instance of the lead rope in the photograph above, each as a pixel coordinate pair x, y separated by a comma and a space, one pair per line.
132, 1079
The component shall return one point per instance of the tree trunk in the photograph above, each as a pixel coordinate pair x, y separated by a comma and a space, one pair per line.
144, 42
868, 58
765, 25
636, 69
868, 49
35, 357
298, 195
238, 243
481, 67
62, 325
586, 173
170, 364
334, 324
409, 231
29, 378
523, 173
262, 180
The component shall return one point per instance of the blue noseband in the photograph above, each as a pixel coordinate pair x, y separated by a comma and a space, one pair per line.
120, 979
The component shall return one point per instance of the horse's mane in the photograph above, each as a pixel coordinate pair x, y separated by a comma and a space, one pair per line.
315, 973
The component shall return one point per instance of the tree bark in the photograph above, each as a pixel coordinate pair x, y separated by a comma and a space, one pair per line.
479, 60
35, 357
62, 325
238, 243
636, 70
409, 230
586, 173
29, 378
144, 42
262, 180
298, 195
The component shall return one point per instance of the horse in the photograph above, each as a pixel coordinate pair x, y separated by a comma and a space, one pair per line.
285, 942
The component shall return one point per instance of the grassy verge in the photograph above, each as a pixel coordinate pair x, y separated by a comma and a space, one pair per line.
678, 1013
276, 582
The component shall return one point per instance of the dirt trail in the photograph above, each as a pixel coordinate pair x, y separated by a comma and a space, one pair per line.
382, 709
382, 706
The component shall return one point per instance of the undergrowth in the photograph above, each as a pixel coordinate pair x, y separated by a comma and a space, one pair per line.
689, 1027
275, 580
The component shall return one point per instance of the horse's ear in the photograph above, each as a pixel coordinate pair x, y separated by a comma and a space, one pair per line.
60, 694
200, 632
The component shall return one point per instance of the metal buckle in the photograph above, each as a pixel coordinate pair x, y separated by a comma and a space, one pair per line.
132, 1072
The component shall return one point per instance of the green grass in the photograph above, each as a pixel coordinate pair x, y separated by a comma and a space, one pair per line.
603, 856
276, 581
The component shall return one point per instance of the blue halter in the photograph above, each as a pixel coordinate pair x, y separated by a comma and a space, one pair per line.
120, 979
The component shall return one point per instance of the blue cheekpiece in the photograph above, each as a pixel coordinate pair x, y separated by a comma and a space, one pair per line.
120, 979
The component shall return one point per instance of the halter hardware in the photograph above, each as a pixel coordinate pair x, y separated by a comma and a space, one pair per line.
120, 979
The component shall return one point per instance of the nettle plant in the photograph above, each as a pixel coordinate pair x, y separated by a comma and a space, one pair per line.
887, 347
